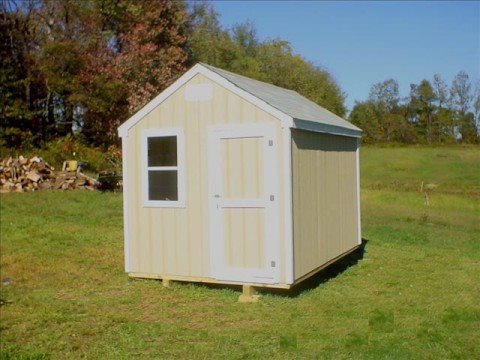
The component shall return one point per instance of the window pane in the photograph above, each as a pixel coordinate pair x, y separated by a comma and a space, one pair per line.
162, 185
162, 151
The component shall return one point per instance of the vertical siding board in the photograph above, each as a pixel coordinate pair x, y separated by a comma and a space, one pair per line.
195, 189
319, 207
144, 247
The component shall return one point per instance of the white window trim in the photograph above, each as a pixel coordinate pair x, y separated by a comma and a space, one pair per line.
179, 133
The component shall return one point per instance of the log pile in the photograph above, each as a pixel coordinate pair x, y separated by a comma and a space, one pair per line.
22, 174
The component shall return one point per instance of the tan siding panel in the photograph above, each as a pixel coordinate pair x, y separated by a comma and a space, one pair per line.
324, 198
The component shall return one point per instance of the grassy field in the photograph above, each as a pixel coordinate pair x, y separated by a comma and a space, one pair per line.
414, 295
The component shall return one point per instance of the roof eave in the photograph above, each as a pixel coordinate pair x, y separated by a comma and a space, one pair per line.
325, 128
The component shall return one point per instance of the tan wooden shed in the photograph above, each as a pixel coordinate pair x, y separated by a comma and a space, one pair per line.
236, 181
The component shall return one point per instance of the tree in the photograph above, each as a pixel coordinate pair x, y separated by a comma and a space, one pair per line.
365, 116
392, 118
443, 111
386, 94
140, 53
476, 107
440, 89
283, 68
21, 84
379, 125
460, 92
422, 98
151, 48
461, 98
207, 41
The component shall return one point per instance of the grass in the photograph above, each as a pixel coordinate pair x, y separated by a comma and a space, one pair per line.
415, 293
451, 169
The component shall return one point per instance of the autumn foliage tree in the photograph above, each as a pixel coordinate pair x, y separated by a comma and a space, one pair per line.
85, 65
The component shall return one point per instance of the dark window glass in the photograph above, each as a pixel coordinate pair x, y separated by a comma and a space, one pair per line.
162, 151
162, 185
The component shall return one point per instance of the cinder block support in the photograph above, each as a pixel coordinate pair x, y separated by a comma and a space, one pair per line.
249, 295
167, 283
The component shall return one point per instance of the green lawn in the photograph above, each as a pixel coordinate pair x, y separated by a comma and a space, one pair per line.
415, 294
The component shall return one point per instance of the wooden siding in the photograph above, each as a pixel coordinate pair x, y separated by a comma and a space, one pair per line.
175, 241
325, 218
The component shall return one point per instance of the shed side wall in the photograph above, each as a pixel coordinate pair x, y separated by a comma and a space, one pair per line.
325, 218
175, 241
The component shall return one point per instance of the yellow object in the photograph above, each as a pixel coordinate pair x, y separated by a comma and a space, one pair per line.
70, 165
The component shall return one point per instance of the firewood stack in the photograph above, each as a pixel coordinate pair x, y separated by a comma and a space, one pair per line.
22, 174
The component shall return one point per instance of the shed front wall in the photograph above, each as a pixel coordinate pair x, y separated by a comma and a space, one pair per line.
175, 241
325, 212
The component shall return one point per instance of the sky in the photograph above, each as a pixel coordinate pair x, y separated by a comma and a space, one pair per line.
362, 43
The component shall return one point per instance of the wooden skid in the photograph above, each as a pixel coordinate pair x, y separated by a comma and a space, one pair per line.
201, 280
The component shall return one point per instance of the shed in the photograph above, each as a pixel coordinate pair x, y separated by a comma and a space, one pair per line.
235, 181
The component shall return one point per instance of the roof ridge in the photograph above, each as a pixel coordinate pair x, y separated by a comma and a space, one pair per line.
287, 101
270, 84
246, 77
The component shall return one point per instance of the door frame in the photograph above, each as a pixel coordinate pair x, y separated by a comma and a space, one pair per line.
219, 270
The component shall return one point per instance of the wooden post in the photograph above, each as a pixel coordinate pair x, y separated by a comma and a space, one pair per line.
249, 295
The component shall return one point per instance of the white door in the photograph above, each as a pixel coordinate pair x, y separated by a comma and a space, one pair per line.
243, 203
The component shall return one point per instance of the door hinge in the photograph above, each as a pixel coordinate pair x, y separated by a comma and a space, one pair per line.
272, 197
272, 263
270, 142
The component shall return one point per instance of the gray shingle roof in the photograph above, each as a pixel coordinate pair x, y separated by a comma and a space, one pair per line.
289, 102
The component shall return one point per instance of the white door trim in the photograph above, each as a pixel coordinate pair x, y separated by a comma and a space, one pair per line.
219, 270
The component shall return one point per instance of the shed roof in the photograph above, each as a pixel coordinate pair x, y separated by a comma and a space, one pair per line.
287, 101
287, 105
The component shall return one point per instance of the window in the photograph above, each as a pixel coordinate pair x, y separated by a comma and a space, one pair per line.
163, 178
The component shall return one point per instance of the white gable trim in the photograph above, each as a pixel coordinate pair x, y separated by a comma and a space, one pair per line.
286, 120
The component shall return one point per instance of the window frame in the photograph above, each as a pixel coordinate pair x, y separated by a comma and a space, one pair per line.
180, 168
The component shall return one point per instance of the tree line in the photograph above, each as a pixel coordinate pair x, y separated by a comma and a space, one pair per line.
432, 113
84, 67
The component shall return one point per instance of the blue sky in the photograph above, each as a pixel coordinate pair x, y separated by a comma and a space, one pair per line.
361, 43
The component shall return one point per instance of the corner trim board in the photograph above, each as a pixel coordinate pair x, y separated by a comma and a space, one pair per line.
288, 211
126, 240
359, 223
